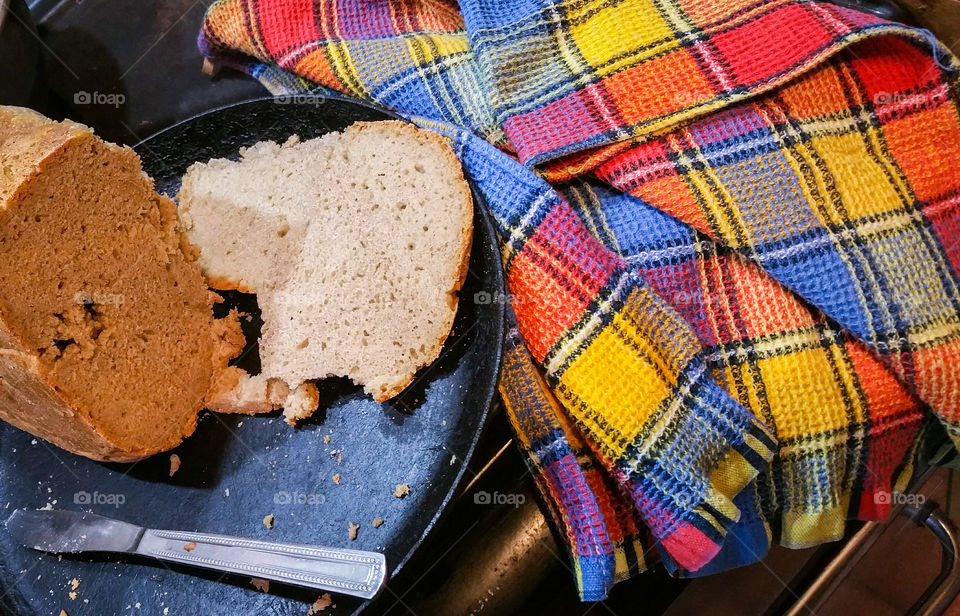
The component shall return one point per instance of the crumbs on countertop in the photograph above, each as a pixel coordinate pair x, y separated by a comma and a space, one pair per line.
190, 546
268, 521
336, 479
377, 522
402, 490
352, 530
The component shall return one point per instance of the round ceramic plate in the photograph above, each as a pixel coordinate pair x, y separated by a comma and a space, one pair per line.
236, 470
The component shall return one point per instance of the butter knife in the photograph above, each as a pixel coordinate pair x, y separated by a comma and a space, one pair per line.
350, 572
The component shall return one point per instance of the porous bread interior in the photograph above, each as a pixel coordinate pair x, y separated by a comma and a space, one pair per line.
355, 244
92, 278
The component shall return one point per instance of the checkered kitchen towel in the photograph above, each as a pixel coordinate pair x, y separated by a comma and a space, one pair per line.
731, 232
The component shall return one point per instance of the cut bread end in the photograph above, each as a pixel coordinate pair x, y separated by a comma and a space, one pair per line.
108, 344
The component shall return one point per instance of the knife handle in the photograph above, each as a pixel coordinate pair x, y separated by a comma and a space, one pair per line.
351, 572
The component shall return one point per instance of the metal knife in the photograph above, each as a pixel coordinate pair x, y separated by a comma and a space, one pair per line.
350, 572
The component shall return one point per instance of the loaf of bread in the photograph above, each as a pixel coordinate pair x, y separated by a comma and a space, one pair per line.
108, 345
355, 243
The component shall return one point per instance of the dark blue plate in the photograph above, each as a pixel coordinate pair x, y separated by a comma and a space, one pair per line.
236, 470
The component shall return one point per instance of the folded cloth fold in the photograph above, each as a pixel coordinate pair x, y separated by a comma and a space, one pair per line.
627, 369
607, 541
751, 245
778, 357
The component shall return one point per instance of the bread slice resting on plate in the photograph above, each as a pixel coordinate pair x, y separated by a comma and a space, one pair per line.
355, 243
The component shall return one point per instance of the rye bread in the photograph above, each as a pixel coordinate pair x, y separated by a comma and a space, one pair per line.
108, 345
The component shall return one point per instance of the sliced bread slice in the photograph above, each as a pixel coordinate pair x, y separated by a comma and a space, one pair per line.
108, 345
355, 243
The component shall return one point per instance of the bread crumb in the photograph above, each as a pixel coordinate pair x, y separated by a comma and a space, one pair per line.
326, 440
166, 611
190, 546
402, 490
260, 584
377, 522
301, 403
208, 68
353, 528
268, 521
336, 479
320, 604
74, 584
72, 595
174, 464
63, 613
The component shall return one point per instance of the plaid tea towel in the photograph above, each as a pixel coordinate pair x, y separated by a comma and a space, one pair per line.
731, 232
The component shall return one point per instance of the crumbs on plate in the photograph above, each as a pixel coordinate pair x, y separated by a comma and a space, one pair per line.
260, 584
174, 464
321, 604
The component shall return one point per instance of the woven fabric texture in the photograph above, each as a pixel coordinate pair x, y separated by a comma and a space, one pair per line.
731, 232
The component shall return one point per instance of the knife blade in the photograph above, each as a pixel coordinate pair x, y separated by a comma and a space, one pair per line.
352, 572
64, 532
